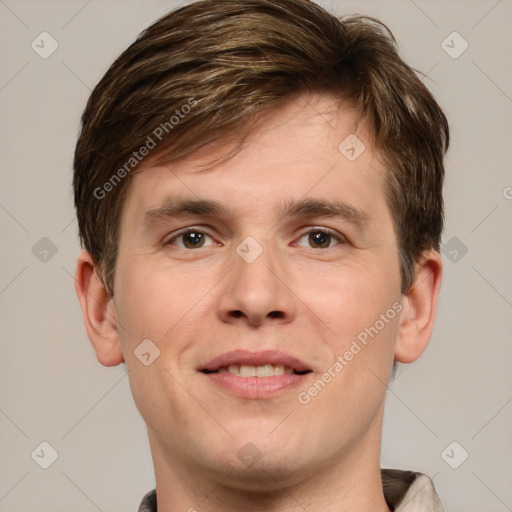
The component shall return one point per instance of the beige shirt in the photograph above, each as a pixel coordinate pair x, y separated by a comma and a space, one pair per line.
405, 491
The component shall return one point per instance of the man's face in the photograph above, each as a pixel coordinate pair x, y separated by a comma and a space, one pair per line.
276, 260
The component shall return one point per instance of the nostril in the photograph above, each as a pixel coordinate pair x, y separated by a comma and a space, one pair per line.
237, 314
276, 314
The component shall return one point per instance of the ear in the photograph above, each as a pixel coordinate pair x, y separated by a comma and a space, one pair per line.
98, 311
419, 311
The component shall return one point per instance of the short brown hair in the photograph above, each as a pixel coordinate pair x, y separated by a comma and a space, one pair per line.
214, 65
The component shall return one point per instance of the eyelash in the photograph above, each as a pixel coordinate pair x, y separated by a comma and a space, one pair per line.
333, 234
184, 232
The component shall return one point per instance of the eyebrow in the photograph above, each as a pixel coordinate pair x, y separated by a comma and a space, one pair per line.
175, 208
324, 208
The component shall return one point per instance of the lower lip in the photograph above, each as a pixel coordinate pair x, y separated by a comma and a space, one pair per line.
256, 387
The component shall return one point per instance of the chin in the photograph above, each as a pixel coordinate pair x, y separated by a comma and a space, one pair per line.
270, 473
260, 462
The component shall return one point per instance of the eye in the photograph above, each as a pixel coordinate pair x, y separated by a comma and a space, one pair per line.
320, 239
190, 239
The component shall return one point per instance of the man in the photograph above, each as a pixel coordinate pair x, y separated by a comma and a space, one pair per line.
258, 189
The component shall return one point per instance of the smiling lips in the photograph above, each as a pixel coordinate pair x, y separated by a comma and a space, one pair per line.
255, 374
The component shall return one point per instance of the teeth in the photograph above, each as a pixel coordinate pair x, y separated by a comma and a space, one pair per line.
234, 369
247, 371
265, 370
279, 369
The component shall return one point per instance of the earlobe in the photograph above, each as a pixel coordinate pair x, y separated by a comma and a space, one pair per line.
98, 312
419, 311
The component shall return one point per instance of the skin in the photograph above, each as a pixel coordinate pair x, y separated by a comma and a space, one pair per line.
296, 297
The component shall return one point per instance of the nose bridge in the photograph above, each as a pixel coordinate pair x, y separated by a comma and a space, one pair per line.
256, 290
255, 266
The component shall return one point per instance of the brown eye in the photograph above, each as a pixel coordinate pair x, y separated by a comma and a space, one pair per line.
319, 239
193, 239
190, 239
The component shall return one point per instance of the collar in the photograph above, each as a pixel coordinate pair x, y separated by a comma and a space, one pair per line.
404, 491
408, 491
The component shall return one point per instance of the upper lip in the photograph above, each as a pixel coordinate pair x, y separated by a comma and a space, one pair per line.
259, 358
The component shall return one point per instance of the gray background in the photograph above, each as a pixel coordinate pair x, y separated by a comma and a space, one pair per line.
51, 387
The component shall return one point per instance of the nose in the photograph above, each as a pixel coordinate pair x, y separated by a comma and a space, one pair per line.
257, 292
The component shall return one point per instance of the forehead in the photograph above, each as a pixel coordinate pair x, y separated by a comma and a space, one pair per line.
306, 127
312, 145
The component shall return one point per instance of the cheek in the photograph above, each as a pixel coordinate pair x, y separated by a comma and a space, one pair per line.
349, 299
361, 308
350, 389
149, 299
154, 303
163, 303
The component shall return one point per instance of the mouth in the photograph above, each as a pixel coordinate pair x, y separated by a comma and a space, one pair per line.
263, 370
255, 374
